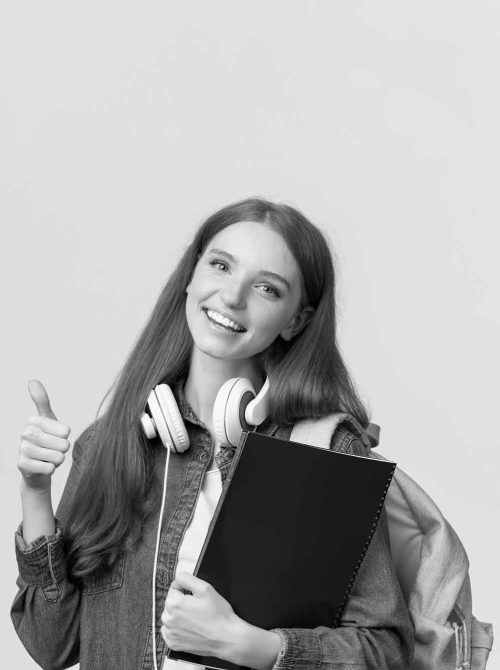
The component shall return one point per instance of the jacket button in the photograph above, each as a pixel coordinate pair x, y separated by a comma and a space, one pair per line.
203, 456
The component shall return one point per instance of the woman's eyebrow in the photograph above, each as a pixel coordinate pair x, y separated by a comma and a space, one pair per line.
266, 273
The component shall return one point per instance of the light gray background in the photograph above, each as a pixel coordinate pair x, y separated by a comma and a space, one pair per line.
122, 125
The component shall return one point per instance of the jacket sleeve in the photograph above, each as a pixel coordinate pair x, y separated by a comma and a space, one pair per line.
375, 630
46, 608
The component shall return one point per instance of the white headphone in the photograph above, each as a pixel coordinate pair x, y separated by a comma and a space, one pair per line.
237, 407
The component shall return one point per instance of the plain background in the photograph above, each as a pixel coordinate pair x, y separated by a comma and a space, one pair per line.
123, 125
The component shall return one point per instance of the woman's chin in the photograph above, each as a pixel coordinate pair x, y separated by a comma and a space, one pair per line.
222, 349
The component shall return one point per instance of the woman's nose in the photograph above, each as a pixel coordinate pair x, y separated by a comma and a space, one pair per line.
233, 294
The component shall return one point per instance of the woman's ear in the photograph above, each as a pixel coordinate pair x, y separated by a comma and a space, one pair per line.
299, 321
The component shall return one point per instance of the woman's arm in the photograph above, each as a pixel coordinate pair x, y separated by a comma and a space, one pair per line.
46, 607
38, 515
202, 622
253, 647
44, 443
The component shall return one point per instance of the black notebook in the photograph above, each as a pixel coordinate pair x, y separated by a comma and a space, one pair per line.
289, 533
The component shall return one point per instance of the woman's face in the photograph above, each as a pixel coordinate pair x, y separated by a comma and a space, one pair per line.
244, 293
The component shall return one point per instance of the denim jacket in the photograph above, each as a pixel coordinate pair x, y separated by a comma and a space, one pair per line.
106, 622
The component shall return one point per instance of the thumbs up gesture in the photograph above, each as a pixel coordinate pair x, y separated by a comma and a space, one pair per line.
44, 441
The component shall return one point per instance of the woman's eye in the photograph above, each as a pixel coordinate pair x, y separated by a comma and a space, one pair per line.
270, 290
220, 265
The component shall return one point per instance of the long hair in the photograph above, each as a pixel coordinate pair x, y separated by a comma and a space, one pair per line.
307, 375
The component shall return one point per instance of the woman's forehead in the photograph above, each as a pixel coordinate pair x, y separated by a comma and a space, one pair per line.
254, 242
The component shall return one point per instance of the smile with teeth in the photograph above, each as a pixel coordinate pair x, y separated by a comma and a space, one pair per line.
223, 321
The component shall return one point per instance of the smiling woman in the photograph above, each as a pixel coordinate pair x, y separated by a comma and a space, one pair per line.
243, 333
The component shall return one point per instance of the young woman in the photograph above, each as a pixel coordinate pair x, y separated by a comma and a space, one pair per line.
252, 297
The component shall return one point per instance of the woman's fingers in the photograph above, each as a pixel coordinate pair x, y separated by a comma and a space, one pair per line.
51, 426
184, 581
30, 467
36, 453
174, 598
49, 440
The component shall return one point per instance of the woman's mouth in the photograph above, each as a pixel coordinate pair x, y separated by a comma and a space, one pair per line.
222, 322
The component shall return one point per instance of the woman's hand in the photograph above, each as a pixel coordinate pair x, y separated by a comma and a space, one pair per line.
43, 442
203, 623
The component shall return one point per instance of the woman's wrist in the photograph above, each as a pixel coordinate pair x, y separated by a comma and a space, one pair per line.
28, 489
251, 646
38, 515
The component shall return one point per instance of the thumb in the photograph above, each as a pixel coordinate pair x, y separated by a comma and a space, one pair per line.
40, 398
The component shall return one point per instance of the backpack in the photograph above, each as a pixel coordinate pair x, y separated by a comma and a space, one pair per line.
429, 560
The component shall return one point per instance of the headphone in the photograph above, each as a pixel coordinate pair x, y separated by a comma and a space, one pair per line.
237, 407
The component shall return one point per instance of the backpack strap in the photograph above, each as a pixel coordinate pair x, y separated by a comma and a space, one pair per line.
319, 432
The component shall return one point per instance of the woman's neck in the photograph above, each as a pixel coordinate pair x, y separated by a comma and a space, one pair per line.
206, 376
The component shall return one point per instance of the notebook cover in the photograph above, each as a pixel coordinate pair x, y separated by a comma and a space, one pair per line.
290, 531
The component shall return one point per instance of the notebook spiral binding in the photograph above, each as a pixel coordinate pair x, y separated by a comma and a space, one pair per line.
365, 548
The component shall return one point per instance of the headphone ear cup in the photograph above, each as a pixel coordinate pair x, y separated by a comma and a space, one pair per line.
172, 417
148, 426
159, 421
257, 410
229, 410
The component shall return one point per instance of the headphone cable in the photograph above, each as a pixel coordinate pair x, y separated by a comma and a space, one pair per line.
158, 535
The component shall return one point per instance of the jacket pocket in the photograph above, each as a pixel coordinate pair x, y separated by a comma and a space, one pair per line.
105, 580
